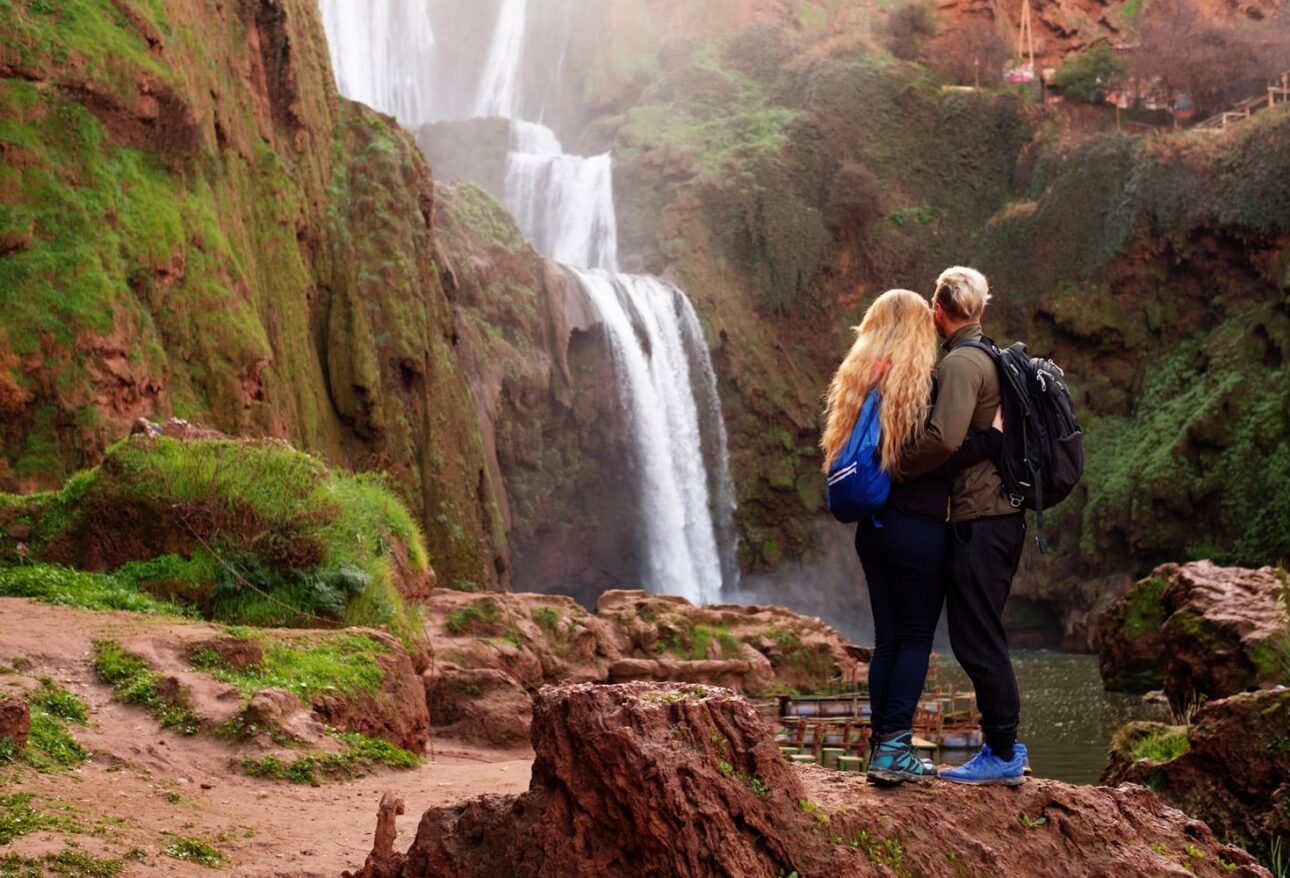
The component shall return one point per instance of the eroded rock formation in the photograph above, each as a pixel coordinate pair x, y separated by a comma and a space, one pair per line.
1234, 773
494, 651
667, 779
1198, 630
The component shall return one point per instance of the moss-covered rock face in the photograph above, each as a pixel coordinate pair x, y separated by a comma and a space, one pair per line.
1228, 768
245, 532
197, 225
1199, 630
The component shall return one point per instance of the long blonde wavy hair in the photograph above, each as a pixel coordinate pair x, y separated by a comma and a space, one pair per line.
894, 350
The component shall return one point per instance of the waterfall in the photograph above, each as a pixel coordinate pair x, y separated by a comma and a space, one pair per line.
371, 44
564, 204
682, 557
500, 86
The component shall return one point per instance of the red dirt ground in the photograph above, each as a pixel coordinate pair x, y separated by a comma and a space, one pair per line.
143, 781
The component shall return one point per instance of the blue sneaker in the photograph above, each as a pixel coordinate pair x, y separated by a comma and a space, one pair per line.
986, 768
1025, 758
894, 761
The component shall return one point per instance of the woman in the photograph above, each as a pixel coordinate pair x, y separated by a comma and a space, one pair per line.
902, 549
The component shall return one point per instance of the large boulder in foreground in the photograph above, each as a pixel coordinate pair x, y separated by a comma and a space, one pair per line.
645, 779
1232, 769
1198, 630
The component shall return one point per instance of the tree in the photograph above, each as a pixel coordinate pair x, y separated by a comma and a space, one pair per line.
1215, 63
1091, 74
976, 49
909, 29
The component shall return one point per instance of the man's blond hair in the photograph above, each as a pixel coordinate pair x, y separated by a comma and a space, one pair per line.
962, 292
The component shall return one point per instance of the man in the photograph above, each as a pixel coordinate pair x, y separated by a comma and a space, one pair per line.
987, 532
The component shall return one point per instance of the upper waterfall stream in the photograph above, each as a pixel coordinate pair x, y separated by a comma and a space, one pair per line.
564, 204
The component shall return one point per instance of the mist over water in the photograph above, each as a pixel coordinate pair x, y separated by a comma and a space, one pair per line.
392, 55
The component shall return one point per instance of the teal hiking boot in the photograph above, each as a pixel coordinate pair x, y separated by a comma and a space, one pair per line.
985, 768
894, 761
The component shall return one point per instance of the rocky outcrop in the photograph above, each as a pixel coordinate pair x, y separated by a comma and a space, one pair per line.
218, 681
1198, 630
492, 652
639, 779
1233, 772
15, 722
188, 514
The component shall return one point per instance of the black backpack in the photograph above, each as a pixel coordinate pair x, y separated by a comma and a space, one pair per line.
1043, 447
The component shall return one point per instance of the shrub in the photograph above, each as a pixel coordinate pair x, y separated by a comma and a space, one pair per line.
1089, 75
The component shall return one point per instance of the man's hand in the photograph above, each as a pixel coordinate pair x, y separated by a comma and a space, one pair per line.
998, 419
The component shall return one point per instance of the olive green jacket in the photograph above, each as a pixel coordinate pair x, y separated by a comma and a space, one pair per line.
967, 397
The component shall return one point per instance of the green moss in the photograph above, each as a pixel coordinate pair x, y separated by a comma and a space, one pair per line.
343, 663
480, 617
547, 617
1145, 613
360, 756
276, 537
134, 682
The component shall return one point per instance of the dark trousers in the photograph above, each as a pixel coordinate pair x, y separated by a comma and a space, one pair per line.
983, 558
904, 568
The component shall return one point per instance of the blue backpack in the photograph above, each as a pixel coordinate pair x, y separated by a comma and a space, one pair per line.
858, 485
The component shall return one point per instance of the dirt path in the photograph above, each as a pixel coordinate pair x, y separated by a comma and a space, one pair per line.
143, 781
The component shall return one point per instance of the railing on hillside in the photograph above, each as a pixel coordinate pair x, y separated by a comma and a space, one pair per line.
1277, 94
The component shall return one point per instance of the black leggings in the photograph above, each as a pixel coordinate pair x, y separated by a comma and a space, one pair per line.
904, 562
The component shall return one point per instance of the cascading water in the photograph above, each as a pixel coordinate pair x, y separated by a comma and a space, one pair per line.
364, 37
564, 204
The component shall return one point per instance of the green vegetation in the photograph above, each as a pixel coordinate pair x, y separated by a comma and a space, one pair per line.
480, 617
339, 662
68, 863
360, 756
49, 745
887, 852
1091, 74
696, 643
133, 682
64, 587
1162, 745
1145, 613
547, 617
19, 817
196, 850
275, 537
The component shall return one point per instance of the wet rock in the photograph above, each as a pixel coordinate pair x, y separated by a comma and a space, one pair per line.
15, 721
1196, 630
665, 779
1235, 773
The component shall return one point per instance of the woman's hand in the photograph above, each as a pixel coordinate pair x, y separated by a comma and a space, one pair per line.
998, 419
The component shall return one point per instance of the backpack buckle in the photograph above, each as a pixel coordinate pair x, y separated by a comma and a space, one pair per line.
1016, 501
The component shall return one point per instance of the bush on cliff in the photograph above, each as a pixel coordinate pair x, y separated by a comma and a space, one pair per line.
252, 532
